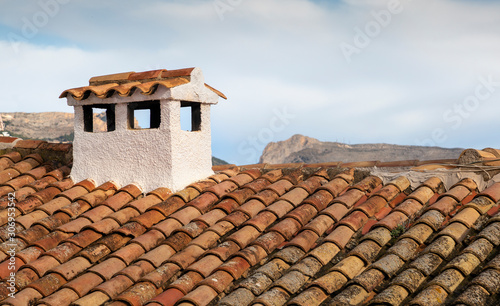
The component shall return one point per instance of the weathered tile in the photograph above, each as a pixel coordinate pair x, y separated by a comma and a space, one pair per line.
379, 235
389, 264
465, 263
489, 279
310, 296
405, 248
369, 279
455, 230
238, 297
275, 296
290, 254
393, 295
308, 266
367, 250
331, 282
433, 295
427, 263
352, 295
325, 252
473, 295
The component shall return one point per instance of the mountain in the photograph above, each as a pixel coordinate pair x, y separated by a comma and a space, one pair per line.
50, 126
303, 149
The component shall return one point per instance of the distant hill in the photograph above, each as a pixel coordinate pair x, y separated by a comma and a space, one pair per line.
52, 126
303, 149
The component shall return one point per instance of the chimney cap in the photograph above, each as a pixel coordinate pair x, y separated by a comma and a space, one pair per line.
147, 82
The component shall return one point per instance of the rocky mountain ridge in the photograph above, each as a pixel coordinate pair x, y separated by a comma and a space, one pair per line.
303, 149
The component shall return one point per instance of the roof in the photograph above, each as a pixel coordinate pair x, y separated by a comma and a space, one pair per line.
250, 235
126, 83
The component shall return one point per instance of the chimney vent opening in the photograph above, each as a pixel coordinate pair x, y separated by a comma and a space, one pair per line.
144, 115
92, 114
190, 116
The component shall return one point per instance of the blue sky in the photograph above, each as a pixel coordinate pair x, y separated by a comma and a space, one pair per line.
357, 71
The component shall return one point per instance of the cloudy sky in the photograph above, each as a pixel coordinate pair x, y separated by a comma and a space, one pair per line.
356, 71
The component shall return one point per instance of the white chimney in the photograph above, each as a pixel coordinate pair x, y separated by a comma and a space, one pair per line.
159, 155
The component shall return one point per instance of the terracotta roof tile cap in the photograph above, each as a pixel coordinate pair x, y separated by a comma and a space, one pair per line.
401, 182
492, 192
435, 184
162, 193
110, 78
28, 144
14, 156
495, 152
88, 184
469, 156
466, 182
133, 189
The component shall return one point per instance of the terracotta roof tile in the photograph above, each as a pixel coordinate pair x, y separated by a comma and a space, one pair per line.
280, 208
272, 176
313, 295
24, 297
473, 295
200, 295
207, 239
304, 240
244, 236
298, 248
372, 205
269, 241
252, 254
394, 295
28, 144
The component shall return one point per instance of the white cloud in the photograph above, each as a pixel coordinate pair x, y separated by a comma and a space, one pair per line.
270, 54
